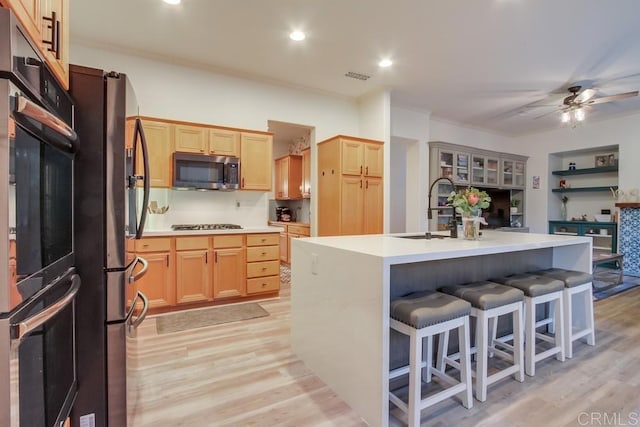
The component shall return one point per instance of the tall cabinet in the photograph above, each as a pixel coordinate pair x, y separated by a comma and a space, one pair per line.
350, 186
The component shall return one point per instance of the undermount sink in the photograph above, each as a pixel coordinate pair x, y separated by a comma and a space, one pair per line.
424, 236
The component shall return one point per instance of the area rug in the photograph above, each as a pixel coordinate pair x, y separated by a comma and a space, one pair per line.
285, 275
602, 279
175, 322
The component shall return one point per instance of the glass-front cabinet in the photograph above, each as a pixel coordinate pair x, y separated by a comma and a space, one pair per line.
604, 234
513, 173
454, 165
477, 170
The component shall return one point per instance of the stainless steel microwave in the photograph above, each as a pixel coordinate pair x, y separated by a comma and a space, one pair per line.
203, 172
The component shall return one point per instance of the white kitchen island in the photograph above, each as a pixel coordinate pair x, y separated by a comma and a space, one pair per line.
341, 288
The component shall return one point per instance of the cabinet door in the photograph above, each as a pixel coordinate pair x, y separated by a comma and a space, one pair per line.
507, 172
190, 139
223, 142
461, 168
352, 205
158, 282
519, 174
492, 171
28, 13
373, 206
284, 247
282, 178
193, 277
55, 37
373, 159
352, 157
159, 141
478, 169
306, 173
445, 164
256, 158
229, 273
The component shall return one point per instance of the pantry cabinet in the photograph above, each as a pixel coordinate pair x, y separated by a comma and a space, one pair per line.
256, 154
350, 186
288, 178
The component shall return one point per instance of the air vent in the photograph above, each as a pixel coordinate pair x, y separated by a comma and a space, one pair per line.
358, 76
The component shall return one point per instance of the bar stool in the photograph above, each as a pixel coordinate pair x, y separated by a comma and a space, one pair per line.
490, 300
575, 283
422, 315
538, 290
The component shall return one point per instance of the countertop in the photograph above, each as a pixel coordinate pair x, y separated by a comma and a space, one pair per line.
246, 230
397, 250
283, 223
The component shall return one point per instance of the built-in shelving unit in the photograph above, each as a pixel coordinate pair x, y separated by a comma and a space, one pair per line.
582, 189
601, 169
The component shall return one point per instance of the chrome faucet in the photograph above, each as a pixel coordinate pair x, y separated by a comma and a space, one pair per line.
453, 224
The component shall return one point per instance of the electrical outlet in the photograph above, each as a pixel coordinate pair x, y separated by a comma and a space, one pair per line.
237, 204
314, 263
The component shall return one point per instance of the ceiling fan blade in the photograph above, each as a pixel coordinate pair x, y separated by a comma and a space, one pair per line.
584, 96
547, 114
612, 98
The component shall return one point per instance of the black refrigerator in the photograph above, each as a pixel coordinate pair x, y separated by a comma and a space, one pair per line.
110, 193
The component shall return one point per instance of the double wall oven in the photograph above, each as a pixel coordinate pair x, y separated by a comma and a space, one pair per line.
38, 281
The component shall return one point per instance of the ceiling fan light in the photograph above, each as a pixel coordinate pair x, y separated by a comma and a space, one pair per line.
579, 114
565, 117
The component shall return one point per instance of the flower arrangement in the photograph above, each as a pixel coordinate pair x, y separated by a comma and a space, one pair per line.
469, 201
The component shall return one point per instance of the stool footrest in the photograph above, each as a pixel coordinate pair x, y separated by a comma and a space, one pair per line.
546, 338
580, 334
547, 353
503, 374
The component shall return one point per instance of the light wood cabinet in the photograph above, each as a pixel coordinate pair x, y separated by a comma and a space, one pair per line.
191, 139
350, 197
158, 284
224, 142
293, 232
193, 270
229, 276
306, 173
159, 136
47, 25
263, 266
288, 178
256, 154
284, 246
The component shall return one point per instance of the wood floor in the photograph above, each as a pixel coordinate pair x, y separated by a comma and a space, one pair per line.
245, 374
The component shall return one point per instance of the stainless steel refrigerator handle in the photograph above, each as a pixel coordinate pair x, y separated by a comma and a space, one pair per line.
139, 130
133, 277
143, 314
41, 115
23, 328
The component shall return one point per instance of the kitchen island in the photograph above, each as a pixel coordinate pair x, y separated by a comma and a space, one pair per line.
342, 286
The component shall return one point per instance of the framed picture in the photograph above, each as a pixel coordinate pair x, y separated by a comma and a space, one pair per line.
602, 161
611, 160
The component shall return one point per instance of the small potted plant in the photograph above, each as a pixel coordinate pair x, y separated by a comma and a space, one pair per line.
514, 205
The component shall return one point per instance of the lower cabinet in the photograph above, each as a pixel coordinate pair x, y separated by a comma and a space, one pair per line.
263, 265
193, 270
228, 266
604, 234
158, 283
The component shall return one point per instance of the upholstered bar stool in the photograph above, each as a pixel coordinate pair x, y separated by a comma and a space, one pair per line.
580, 284
539, 290
422, 315
489, 301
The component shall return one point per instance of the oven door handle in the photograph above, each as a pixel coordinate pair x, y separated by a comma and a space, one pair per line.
21, 329
40, 115
129, 273
133, 325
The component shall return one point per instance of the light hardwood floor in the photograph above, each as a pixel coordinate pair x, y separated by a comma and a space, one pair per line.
245, 374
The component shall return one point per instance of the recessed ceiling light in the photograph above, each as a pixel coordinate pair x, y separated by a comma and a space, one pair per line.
297, 36
172, 1
385, 63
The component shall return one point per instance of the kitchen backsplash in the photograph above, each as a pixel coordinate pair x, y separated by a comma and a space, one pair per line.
246, 208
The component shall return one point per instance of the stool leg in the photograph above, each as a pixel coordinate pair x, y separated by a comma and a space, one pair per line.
518, 355
568, 325
443, 348
465, 363
482, 327
530, 336
427, 354
588, 304
551, 327
493, 334
558, 315
415, 385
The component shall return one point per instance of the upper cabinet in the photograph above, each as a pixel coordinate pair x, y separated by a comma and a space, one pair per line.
306, 173
191, 139
47, 24
159, 136
224, 142
207, 140
256, 154
288, 178
481, 168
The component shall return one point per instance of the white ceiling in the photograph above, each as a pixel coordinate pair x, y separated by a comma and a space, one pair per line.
480, 63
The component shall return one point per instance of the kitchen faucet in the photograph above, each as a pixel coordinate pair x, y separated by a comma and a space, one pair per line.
453, 225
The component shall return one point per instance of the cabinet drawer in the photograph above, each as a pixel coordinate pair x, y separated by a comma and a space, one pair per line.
262, 253
265, 268
300, 230
153, 245
263, 284
262, 239
231, 241
190, 243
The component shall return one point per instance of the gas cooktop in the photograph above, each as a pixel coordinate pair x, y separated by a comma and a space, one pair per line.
178, 227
